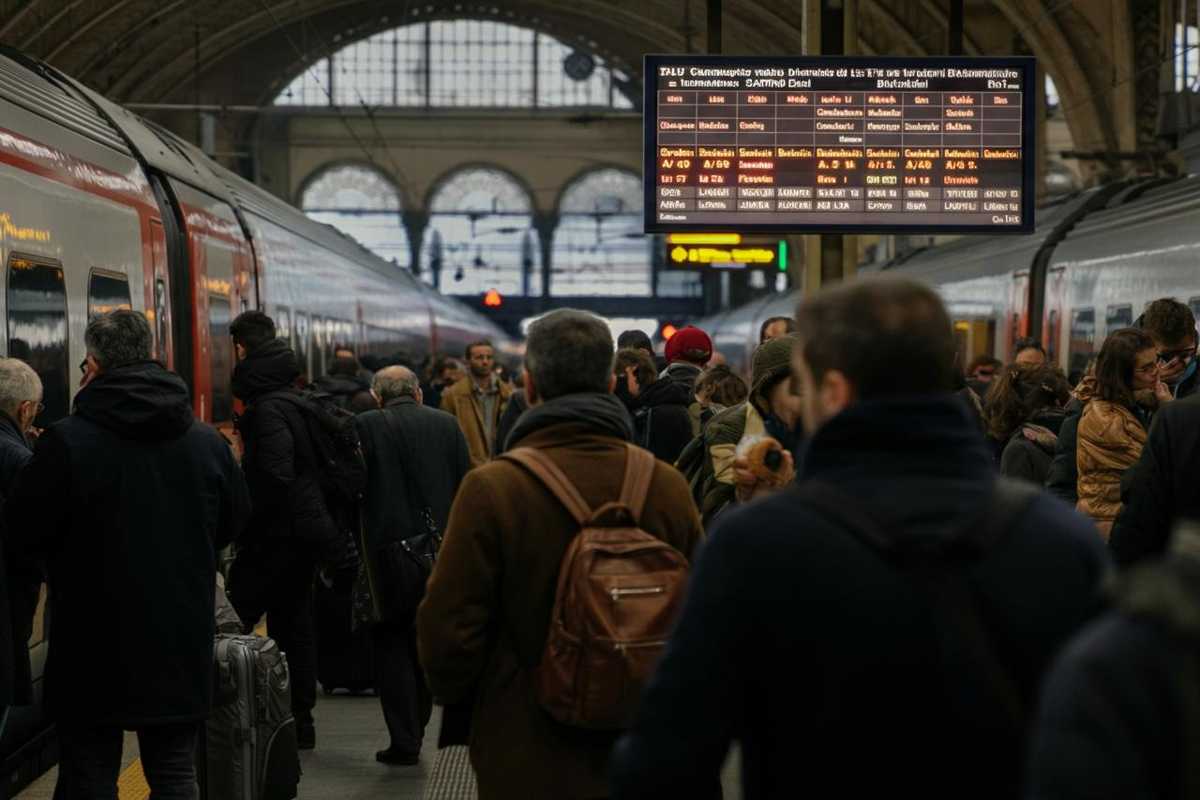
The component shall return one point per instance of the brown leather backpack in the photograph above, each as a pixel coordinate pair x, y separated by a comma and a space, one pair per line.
619, 592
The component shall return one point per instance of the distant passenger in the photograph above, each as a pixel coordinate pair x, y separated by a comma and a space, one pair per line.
1029, 353
127, 502
517, 406
443, 373
688, 352
1161, 489
344, 351
479, 401
416, 458
980, 371
486, 614
885, 609
717, 389
1025, 412
1119, 712
775, 327
773, 409
20, 404
292, 530
1112, 430
1062, 481
659, 407
1173, 327
345, 383
639, 340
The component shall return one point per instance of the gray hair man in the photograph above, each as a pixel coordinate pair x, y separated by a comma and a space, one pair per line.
126, 499
20, 402
416, 458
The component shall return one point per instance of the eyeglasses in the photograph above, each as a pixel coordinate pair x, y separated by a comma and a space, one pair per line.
1183, 354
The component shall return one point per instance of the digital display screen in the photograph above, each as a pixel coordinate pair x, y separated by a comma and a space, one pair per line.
839, 144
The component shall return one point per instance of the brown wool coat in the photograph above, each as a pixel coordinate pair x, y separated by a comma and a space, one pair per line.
484, 620
460, 400
1110, 441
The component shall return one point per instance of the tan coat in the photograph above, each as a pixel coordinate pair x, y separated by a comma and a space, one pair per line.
1110, 441
484, 620
462, 401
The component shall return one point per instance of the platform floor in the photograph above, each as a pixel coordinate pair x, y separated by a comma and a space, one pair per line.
342, 767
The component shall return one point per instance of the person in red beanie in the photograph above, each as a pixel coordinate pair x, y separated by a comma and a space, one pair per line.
688, 352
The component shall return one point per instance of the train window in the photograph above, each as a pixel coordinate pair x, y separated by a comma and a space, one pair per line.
107, 291
161, 318
221, 358
283, 323
37, 329
1118, 317
1082, 343
300, 342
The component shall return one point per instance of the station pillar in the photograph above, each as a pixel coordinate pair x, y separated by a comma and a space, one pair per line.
830, 29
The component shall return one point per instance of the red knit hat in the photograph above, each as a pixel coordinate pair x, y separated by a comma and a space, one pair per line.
689, 344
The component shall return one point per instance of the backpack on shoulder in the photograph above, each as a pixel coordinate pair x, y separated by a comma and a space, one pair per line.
619, 592
337, 450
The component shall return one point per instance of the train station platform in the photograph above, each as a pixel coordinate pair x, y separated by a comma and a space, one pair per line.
349, 730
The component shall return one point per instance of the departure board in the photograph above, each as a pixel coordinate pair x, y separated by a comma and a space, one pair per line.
839, 144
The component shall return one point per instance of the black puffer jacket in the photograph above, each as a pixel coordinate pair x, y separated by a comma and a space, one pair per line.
661, 421
127, 502
347, 391
683, 373
1030, 450
278, 455
1062, 480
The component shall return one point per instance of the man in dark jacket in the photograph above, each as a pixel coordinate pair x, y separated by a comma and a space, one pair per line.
1063, 478
416, 458
345, 383
127, 502
291, 530
659, 407
1119, 712
20, 403
827, 661
484, 621
1162, 487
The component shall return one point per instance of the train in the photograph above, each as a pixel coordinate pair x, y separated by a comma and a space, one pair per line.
1094, 261
101, 209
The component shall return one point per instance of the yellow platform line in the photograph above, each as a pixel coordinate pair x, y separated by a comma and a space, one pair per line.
132, 783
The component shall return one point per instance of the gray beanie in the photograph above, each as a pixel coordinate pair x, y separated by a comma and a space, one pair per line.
772, 363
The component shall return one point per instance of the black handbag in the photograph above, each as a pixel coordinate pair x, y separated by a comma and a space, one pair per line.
407, 560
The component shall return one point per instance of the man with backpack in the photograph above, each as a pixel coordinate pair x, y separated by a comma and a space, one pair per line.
880, 628
524, 534
292, 464
659, 407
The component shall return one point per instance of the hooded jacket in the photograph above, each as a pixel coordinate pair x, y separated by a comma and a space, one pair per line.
346, 390
126, 502
822, 659
482, 626
278, 454
661, 420
1030, 450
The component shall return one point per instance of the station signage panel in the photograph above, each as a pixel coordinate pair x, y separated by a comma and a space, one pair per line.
839, 144
732, 251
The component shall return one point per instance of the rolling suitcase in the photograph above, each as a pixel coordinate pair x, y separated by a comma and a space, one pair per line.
248, 746
345, 657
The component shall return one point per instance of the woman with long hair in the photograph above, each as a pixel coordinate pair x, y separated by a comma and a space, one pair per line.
1025, 413
1116, 415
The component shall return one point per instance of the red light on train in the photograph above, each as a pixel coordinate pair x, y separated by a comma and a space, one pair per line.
492, 299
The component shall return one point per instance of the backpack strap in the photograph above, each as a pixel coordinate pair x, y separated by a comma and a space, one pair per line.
639, 470
546, 471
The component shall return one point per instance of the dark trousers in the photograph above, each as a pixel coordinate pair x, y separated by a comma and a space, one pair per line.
275, 576
89, 761
406, 701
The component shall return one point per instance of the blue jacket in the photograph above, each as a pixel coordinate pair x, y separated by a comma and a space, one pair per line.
823, 661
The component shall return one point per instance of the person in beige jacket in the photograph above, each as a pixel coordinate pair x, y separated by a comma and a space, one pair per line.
1116, 416
478, 401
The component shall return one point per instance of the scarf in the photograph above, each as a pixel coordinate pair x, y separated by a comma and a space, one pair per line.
602, 412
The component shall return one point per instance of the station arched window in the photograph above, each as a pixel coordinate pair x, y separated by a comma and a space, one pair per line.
599, 247
362, 203
461, 63
480, 235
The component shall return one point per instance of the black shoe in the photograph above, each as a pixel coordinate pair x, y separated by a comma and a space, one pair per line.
306, 735
397, 758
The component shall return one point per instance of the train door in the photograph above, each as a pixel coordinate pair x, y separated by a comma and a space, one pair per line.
1018, 312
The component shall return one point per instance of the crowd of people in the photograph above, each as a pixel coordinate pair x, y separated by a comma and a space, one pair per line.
901, 569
